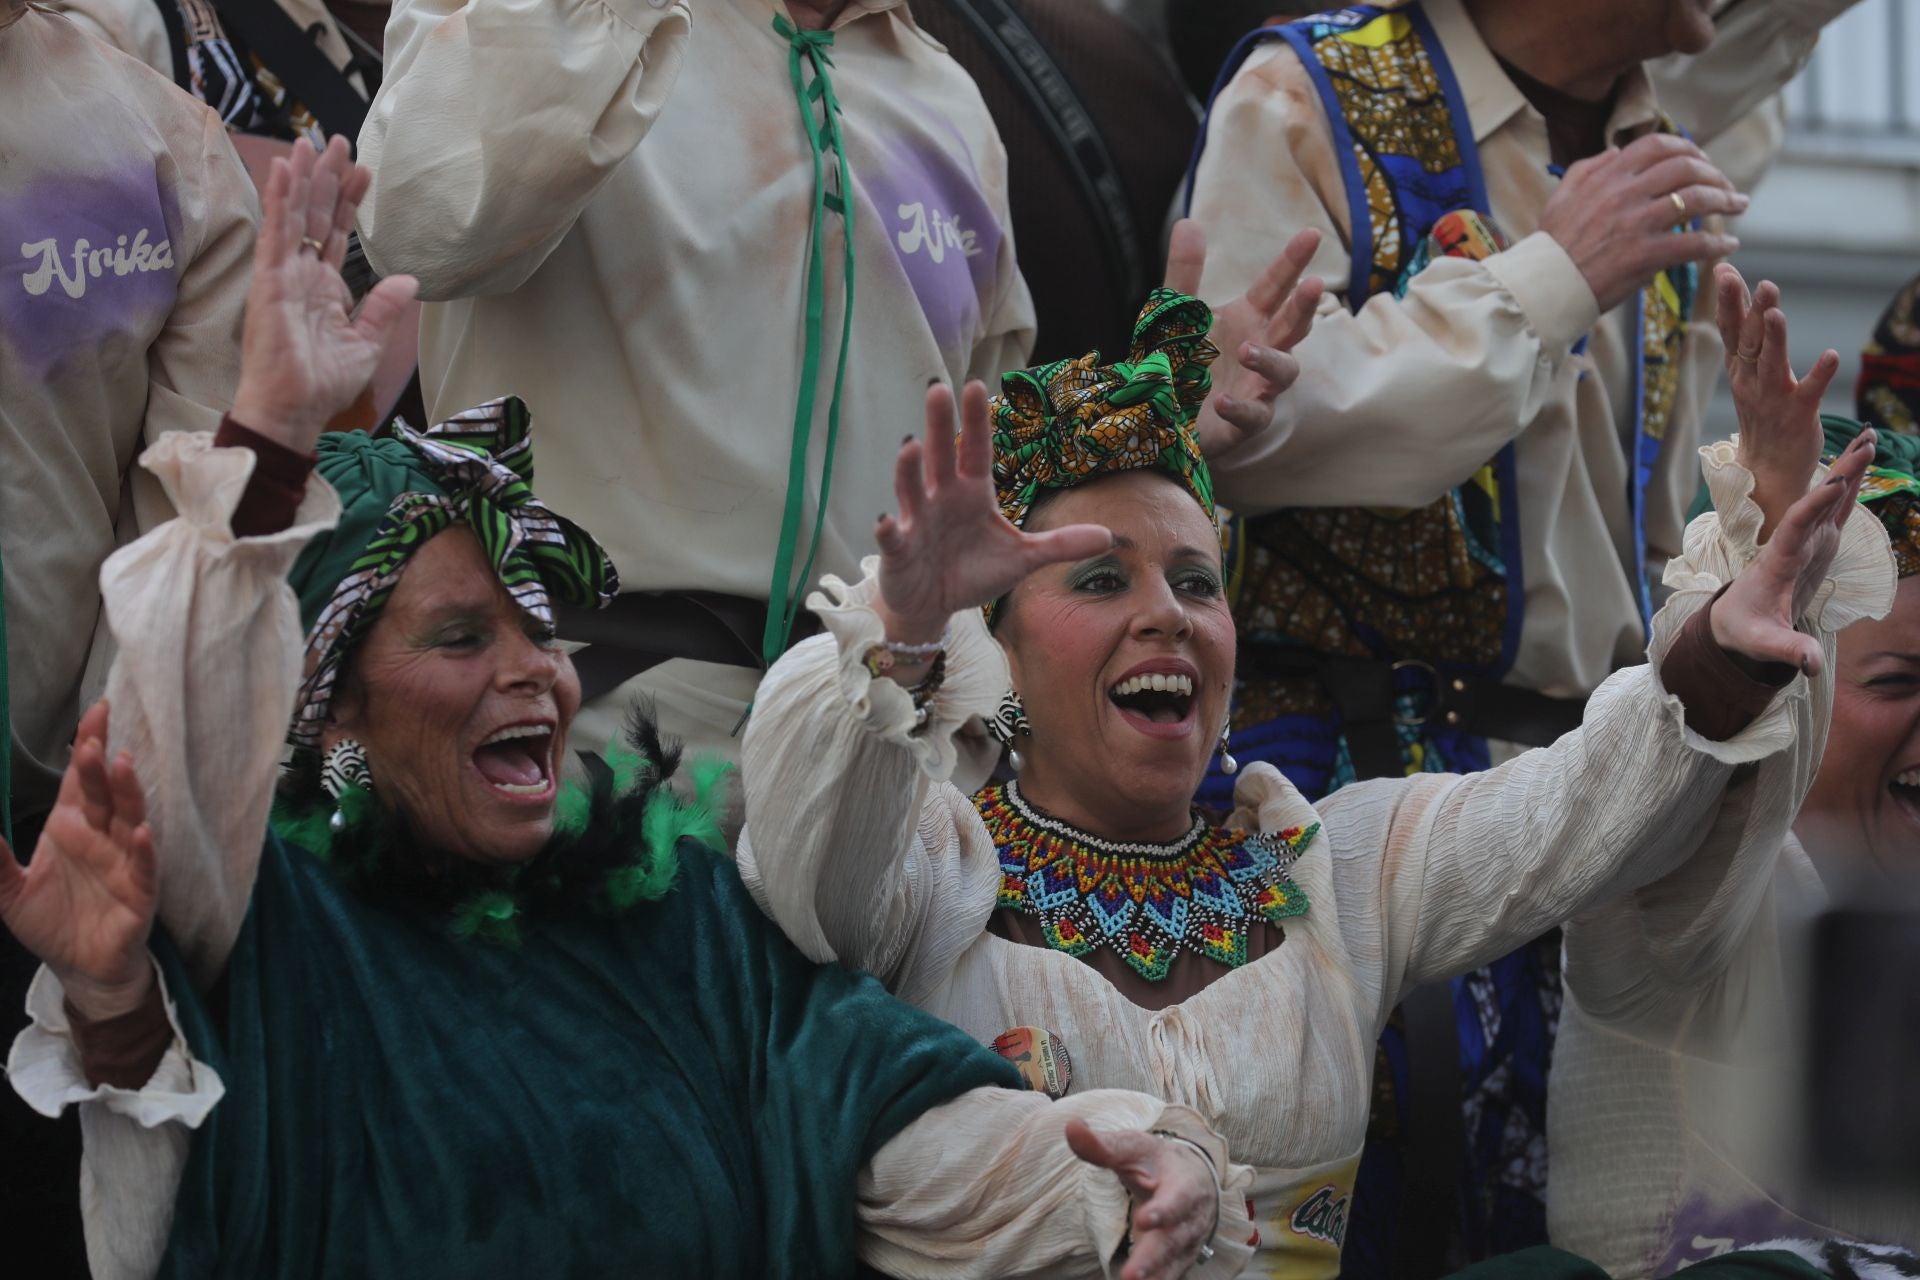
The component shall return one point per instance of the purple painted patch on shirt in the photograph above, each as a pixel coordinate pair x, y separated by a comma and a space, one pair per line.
1704, 1228
86, 262
941, 229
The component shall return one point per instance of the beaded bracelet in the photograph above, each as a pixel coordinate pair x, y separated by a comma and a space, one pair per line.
922, 693
882, 658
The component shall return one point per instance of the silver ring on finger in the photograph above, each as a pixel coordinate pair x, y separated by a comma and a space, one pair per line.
308, 242
1750, 359
1679, 202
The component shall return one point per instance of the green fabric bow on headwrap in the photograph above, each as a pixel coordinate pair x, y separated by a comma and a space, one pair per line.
1891, 489
396, 493
1062, 424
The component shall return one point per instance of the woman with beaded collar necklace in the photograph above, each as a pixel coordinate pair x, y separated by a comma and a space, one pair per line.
455, 1018
1056, 574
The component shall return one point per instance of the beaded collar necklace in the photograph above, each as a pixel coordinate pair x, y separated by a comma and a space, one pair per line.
1145, 902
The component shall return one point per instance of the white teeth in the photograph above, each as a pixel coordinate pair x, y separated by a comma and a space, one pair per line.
518, 731
1911, 778
522, 788
1158, 683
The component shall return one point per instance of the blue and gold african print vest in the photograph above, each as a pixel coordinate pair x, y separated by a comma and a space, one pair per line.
1437, 591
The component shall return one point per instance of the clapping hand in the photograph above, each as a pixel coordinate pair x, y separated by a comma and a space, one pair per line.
1780, 435
1616, 213
86, 902
949, 548
304, 355
1756, 615
1256, 334
1175, 1195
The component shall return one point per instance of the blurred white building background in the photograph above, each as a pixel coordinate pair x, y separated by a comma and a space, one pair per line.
1836, 222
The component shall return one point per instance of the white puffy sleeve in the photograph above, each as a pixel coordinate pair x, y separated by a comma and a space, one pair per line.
856, 842
985, 1186
1644, 957
1448, 873
209, 650
498, 121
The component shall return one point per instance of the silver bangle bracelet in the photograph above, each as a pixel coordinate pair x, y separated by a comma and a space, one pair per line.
1220, 1188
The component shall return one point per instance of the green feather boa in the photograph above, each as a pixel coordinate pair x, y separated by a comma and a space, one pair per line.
615, 842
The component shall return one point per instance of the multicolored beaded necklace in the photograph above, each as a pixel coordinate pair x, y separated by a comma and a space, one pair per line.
1146, 902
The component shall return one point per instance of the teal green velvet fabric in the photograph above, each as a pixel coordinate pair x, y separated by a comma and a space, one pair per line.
674, 1091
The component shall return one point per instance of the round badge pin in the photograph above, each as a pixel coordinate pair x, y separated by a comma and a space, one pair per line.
1041, 1057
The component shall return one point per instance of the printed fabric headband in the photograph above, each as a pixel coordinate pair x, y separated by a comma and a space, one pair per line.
1061, 425
1891, 489
396, 493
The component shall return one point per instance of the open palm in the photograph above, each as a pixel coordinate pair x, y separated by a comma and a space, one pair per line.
1173, 1190
1755, 618
1780, 434
85, 904
949, 548
304, 355
1256, 334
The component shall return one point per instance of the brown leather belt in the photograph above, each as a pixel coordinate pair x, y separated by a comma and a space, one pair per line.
1366, 693
642, 629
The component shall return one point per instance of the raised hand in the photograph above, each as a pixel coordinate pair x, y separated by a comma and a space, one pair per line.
1756, 615
85, 904
1175, 1194
949, 548
1615, 213
1256, 334
1780, 435
304, 355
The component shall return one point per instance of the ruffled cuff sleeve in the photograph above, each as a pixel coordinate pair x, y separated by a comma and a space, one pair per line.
1720, 544
976, 672
46, 1070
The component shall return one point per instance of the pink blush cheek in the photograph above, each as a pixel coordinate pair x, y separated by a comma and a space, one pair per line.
1062, 640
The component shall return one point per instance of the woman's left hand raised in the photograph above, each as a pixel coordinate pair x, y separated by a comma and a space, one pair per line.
949, 548
304, 354
1755, 618
1175, 1195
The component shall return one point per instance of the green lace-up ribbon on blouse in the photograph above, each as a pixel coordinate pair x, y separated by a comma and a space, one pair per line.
820, 116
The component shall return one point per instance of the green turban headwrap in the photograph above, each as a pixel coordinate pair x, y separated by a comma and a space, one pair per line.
1891, 489
396, 493
1063, 424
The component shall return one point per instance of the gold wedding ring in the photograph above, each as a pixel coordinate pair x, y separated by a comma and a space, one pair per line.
308, 242
1679, 202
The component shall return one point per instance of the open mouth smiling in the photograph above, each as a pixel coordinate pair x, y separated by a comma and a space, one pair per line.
1158, 703
517, 760
1905, 790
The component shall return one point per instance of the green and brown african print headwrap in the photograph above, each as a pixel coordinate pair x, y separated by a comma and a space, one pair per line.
1891, 489
396, 493
1060, 425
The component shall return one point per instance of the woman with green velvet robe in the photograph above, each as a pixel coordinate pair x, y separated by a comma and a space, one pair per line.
451, 1017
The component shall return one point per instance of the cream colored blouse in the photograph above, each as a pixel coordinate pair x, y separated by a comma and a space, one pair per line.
863, 847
